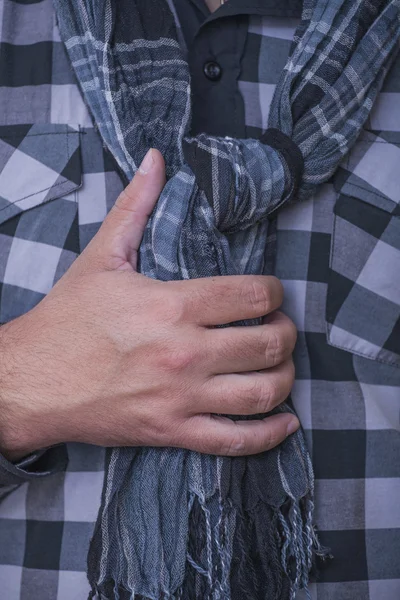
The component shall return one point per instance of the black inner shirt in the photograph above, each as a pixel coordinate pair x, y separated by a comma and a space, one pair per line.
215, 45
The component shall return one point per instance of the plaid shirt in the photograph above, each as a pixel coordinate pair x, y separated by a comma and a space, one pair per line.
338, 257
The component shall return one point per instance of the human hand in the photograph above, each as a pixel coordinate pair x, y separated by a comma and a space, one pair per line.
113, 358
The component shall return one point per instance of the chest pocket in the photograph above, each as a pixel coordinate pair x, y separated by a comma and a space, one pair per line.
363, 300
40, 171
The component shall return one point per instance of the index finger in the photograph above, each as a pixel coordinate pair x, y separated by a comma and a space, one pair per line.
222, 300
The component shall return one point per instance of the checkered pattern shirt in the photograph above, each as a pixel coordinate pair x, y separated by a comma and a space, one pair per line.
338, 258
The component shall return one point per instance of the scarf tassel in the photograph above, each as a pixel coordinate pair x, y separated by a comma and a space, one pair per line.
283, 546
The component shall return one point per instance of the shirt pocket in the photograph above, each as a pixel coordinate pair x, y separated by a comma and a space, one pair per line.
363, 299
40, 172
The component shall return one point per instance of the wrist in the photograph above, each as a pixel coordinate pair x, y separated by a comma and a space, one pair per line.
21, 424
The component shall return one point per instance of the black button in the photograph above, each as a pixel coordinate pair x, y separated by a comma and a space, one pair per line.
212, 70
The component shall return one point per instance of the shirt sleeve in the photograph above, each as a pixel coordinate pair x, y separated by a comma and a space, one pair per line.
39, 464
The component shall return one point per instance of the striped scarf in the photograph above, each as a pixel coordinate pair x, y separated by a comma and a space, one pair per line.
175, 524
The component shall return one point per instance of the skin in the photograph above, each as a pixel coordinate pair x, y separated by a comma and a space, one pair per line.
213, 4
111, 357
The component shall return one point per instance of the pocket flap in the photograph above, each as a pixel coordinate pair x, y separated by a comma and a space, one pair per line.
371, 171
38, 163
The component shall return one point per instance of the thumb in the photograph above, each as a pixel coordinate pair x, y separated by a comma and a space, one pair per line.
117, 242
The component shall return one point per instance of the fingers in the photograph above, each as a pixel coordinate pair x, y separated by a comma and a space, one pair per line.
221, 300
239, 349
224, 437
247, 393
117, 242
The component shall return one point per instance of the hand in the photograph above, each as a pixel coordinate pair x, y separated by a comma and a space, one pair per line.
111, 357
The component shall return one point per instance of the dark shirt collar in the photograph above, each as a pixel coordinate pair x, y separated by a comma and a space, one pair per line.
270, 8
195, 13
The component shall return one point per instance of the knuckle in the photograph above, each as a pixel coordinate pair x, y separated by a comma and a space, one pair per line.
171, 307
276, 350
162, 430
236, 446
258, 295
123, 202
257, 397
270, 396
176, 359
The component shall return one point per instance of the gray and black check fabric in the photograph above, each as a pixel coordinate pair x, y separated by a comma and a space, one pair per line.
334, 249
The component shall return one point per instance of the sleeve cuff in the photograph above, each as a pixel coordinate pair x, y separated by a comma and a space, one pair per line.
39, 464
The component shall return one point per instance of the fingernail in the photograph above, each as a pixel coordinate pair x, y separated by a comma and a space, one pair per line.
292, 427
147, 163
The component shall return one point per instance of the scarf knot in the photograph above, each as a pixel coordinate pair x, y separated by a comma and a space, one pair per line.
244, 181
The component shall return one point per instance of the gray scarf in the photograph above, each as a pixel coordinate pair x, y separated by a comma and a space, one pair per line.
176, 524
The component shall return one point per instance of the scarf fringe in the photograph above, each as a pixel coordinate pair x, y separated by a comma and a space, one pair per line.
219, 566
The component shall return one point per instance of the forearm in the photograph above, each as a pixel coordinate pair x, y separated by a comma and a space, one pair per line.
10, 438
21, 456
